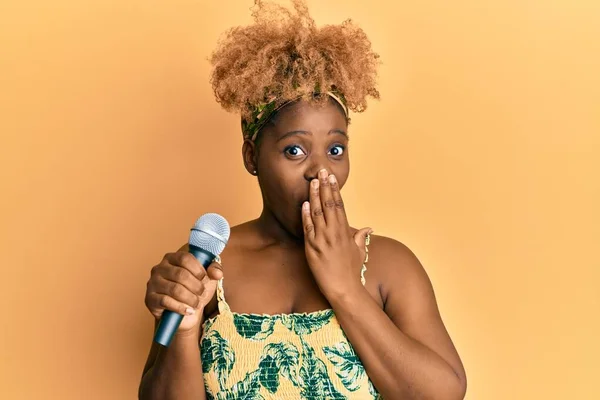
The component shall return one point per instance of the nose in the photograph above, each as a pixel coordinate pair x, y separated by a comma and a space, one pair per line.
312, 171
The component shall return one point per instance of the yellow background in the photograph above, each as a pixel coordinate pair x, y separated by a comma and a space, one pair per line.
482, 156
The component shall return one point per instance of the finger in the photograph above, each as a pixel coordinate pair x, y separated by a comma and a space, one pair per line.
178, 292
360, 238
337, 200
326, 198
316, 210
158, 303
215, 271
210, 290
181, 276
188, 261
307, 223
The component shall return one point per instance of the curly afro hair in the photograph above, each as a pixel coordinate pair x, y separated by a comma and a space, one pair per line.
284, 55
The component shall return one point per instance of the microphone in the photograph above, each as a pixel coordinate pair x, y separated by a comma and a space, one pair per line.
208, 238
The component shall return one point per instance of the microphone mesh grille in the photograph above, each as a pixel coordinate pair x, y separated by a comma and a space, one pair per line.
211, 233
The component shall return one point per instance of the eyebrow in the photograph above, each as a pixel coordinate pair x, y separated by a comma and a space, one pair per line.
300, 132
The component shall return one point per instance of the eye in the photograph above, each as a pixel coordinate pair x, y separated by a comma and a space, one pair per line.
293, 151
337, 150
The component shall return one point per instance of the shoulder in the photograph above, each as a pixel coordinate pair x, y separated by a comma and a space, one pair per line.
389, 247
396, 267
391, 256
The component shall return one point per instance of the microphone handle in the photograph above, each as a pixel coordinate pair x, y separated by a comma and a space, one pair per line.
169, 321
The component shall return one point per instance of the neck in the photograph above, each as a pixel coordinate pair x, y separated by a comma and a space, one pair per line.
271, 230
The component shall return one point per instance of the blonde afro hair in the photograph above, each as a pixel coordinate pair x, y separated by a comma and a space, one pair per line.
283, 55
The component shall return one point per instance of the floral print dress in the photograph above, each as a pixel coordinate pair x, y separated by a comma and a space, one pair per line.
282, 356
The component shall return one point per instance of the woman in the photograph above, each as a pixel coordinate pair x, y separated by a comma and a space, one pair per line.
292, 311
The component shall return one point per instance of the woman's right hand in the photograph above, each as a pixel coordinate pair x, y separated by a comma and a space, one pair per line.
181, 284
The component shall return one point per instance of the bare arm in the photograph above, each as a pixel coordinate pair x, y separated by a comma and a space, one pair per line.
174, 372
405, 348
180, 284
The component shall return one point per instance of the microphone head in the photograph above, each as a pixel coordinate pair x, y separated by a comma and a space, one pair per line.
210, 233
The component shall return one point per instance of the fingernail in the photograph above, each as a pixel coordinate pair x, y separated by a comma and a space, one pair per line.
323, 173
306, 205
189, 311
332, 179
315, 183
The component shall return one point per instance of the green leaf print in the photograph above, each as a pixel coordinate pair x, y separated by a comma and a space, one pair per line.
254, 327
316, 384
269, 374
285, 359
303, 324
347, 365
246, 389
208, 324
216, 351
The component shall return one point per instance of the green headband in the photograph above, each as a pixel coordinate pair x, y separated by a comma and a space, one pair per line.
263, 112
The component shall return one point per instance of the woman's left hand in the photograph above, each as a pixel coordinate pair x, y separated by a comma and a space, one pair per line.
335, 255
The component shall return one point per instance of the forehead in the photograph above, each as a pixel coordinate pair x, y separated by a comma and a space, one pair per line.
307, 116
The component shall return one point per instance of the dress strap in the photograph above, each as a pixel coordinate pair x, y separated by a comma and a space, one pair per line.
222, 304
364, 267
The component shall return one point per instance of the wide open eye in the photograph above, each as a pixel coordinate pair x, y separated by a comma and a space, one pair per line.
294, 151
337, 150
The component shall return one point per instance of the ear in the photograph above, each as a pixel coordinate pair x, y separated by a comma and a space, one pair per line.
250, 155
